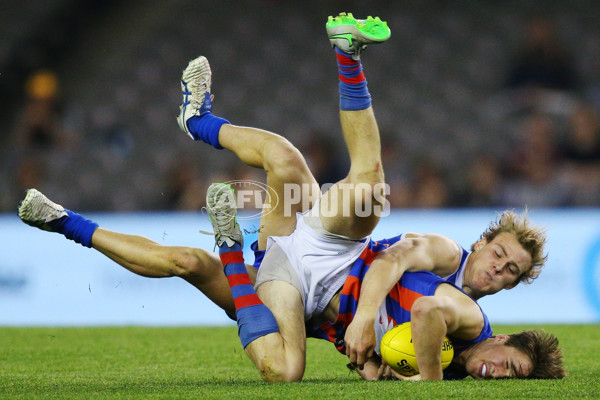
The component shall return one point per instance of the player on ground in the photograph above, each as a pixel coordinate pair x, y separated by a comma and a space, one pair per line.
434, 307
511, 251
301, 274
258, 148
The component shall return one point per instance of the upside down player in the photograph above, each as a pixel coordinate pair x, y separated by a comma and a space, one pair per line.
315, 274
146, 258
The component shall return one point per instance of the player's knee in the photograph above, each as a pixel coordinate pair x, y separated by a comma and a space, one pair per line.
274, 371
185, 262
368, 184
284, 161
279, 369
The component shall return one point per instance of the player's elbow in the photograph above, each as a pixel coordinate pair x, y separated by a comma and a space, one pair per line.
425, 308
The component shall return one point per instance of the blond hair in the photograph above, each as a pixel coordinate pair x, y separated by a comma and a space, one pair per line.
532, 238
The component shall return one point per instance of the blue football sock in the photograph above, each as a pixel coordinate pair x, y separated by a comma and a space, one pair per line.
254, 319
354, 93
75, 227
206, 128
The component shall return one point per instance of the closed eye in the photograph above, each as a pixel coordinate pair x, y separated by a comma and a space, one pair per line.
510, 367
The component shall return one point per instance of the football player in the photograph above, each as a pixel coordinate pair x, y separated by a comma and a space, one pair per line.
480, 272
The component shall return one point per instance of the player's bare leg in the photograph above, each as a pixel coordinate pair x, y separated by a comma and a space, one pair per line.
271, 327
255, 147
284, 165
144, 257
137, 254
281, 356
363, 188
352, 207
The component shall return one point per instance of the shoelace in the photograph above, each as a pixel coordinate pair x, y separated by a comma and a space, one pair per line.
196, 84
221, 220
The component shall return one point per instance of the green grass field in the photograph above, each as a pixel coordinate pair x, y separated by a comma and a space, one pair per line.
209, 363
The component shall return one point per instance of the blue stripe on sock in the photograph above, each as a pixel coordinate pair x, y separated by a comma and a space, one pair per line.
242, 290
224, 248
349, 71
237, 268
340, 52
354, 97
255, 322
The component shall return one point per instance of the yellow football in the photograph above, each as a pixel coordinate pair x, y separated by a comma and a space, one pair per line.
398, 352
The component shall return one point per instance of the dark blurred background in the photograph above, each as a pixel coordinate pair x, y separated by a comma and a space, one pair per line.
479, 103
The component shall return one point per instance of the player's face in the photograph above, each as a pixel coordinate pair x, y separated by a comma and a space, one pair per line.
492, 359
498, 265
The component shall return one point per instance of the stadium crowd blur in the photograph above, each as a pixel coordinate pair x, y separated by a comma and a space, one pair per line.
480, 104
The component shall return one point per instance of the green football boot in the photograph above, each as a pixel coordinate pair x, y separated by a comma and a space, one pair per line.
352, 35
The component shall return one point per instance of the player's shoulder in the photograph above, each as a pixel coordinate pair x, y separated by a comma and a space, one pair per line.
446, 252
434, 239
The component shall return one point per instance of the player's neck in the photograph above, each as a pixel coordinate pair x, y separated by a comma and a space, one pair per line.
462, 358
468, 277
472, 293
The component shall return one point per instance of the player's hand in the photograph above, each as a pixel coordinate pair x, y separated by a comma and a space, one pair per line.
360, 341
370, 370
416, 377
387, 373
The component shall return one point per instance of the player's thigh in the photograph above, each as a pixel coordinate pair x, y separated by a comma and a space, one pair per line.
284, 201
347, 209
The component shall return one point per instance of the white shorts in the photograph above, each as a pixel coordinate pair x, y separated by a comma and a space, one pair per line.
321, 260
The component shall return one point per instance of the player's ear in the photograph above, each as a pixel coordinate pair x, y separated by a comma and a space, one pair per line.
501, 338
479, 244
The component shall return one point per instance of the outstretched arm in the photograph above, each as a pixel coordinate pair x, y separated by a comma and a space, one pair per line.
416, 252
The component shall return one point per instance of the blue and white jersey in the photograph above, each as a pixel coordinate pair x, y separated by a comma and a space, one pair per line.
457, 277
